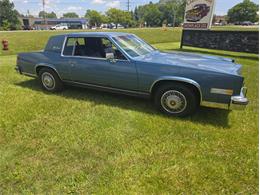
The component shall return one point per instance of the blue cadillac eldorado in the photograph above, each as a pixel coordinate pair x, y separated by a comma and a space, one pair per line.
177, 82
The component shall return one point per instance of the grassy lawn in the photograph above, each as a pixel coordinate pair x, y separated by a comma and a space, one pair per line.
27, 41
83, 141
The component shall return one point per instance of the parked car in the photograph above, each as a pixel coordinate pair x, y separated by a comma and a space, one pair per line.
120, 26
198, 12
247, 23
123, 63
27, 27
104, 26
60, 27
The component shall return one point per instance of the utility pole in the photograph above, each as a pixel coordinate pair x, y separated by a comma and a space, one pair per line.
128, 5
174, 15
44, 16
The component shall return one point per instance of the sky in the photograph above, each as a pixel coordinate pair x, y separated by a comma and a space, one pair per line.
80, 6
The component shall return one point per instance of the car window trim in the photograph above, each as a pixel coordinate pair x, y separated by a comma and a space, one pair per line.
87, 57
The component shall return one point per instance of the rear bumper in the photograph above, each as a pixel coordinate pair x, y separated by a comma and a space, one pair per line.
20, 71
239, 102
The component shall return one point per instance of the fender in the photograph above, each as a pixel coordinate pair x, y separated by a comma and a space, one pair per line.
48, 66
179, 79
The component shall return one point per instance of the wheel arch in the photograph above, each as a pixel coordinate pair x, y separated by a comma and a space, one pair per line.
38, 67
188, 82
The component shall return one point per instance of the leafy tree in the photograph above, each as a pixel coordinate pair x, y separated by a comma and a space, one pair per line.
6, 25
173, 10
150, 14
8, 16
105, 19
166, 11
245, 11
118, 16
47, 15
70, 15
95, 18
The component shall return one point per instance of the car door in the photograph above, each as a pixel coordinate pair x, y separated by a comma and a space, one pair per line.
88, 65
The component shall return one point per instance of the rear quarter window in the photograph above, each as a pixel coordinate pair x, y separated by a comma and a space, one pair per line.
55, 44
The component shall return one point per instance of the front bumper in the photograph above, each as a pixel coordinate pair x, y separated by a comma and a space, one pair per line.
239, 102
18, 69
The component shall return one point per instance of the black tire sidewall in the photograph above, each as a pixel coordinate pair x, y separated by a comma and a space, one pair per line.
191, 98
58, 83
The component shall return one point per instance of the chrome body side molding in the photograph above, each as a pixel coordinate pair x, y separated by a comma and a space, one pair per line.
215, 105
109, 89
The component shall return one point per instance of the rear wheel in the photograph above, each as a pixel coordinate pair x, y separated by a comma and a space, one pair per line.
50, 81
176, 100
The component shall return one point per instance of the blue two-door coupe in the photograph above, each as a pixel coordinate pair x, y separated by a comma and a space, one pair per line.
120, 62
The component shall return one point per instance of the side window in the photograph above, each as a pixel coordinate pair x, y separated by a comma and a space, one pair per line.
95, 47
109, 47
69, 47
71, 44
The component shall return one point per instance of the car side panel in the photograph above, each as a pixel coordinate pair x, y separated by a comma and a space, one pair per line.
151, 73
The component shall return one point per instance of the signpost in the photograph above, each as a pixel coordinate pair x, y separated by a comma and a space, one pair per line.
199, 14
196, 30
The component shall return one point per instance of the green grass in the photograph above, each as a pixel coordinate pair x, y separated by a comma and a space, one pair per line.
83, 141
36, 40
236, 28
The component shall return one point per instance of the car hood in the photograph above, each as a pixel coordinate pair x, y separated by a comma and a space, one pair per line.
191, 60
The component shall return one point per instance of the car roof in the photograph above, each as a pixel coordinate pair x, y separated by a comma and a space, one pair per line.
98, 34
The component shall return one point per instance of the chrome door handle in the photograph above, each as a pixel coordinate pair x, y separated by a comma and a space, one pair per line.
72, 63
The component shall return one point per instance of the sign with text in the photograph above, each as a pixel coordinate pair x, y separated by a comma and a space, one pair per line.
199, 14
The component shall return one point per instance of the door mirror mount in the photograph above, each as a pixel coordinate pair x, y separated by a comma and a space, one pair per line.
110, 57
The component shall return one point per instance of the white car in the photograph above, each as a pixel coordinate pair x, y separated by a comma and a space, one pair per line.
60, 27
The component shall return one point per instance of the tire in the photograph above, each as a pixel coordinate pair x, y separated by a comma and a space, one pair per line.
50, 81
176, 99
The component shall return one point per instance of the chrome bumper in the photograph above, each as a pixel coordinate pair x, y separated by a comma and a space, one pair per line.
236, 103
18, 69
239, 102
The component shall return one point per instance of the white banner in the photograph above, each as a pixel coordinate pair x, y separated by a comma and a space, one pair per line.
199, 14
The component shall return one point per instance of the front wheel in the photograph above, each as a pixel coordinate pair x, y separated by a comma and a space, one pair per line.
176, 100
50, 80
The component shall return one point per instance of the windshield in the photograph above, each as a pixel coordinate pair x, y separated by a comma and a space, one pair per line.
133, 46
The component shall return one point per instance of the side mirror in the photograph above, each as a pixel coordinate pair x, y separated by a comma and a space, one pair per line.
110, 57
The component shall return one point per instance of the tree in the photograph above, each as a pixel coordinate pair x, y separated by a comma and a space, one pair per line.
166, 11
70, 15
245, 11
173, 10
94, 17
150, 14
43, 14
8, 16
118, 16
